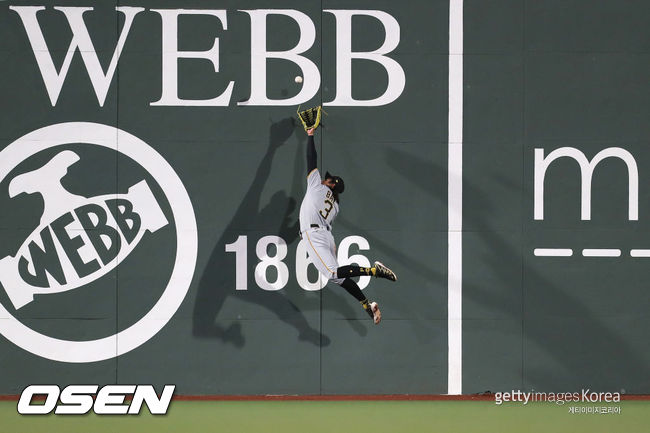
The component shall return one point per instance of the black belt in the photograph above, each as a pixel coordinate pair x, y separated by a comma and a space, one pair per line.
316, 226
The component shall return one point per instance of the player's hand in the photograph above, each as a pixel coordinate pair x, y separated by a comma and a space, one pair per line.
310, 132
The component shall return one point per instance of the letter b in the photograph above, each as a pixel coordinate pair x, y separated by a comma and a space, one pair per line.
344, 56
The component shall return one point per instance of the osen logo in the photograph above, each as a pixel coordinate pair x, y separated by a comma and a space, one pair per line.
81, 239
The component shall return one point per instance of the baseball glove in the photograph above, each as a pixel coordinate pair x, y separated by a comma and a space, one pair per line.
310, 118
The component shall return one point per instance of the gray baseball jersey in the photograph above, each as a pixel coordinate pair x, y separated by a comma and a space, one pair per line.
318, 206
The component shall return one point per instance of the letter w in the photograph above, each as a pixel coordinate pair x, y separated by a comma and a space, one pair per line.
81, 41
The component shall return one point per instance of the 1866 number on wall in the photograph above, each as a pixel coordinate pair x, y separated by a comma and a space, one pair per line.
266, 261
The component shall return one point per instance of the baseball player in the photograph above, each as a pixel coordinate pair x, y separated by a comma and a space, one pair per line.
317, 212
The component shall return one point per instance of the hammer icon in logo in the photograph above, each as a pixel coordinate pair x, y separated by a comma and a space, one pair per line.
47, 181
79, 239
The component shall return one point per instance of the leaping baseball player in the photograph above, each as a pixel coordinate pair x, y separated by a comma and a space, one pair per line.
317, 212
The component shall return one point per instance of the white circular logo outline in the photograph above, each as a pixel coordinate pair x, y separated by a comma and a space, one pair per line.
186, 236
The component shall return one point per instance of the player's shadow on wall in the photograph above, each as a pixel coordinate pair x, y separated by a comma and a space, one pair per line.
571, 351
218, 280
279, 217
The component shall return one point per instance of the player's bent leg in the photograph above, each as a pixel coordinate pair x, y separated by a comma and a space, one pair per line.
352, 288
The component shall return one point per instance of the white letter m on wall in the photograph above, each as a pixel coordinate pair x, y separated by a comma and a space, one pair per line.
586, 171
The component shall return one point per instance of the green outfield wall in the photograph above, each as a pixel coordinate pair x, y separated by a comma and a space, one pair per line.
152, 170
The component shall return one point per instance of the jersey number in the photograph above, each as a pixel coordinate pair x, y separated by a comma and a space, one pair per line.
328, 210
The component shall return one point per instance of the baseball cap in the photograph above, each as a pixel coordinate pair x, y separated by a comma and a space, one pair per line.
339, 186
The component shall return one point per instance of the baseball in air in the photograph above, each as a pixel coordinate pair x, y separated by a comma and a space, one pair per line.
298, 79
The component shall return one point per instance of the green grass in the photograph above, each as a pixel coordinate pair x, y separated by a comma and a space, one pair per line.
347, 416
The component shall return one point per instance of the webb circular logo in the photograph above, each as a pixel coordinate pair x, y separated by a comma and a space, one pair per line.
81, 239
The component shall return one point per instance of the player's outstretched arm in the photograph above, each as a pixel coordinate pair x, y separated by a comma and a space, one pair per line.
311, 151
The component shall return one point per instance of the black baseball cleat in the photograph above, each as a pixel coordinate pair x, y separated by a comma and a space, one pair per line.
382, 271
